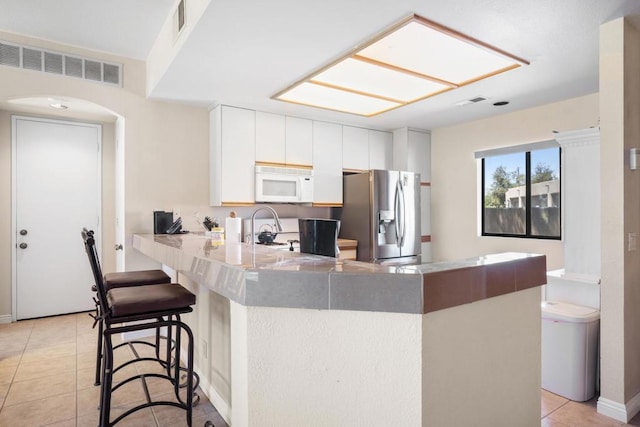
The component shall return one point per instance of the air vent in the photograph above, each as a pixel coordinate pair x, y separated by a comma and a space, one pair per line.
53, 63
92, 70
9, 55
72, 66
179, 19
30, 58
111, 73
473, 100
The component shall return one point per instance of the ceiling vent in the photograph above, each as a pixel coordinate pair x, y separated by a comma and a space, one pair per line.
473, 100
31, 58
179, 19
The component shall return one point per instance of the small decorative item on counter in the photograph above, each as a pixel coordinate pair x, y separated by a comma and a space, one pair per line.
217, 236
210, 223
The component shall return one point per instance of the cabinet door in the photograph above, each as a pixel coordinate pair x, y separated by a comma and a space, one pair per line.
355, 148
238, 131
380, 150
419, 154
299, 141
270, 137
327, 163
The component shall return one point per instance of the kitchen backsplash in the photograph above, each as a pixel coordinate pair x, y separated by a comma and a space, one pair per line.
189, 213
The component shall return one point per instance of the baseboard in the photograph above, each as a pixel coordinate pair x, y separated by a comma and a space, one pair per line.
5, 318
216, 400
633, 406
619, 411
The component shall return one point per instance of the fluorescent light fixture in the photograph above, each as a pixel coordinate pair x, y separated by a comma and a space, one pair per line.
413, 60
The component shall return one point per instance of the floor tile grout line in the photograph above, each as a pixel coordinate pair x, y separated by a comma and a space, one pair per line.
561, 406
4, 401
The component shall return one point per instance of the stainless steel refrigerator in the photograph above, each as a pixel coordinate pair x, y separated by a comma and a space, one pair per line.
381, 210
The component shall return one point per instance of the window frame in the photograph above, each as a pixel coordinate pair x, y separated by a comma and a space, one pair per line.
527, 152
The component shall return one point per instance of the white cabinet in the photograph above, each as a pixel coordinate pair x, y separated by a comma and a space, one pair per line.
355, 148
327, 163
270, 137
380, 150
299, 141
232, 156
283, 140
419, 154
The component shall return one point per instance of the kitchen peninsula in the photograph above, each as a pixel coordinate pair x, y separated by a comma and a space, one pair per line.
295, 339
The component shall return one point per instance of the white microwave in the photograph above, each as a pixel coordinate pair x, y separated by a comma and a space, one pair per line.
284, 185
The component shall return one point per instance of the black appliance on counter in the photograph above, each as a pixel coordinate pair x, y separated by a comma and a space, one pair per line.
162, 221
319, 236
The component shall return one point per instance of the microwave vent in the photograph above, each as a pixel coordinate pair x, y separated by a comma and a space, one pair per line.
284, 171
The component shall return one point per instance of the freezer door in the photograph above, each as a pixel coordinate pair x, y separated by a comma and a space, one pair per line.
410, 233
385, 200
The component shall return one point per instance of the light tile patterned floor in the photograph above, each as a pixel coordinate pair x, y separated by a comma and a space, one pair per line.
47, 374
560, 412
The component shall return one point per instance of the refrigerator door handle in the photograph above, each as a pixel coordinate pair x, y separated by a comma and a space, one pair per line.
396, 206
403, 218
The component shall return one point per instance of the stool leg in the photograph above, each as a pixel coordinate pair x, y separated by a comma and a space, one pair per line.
190, 390
107, 380
99, 352
170, 344
189, 386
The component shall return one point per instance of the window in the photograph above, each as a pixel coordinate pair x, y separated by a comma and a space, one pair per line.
521, 191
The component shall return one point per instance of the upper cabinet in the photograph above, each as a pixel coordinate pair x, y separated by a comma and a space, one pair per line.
270, 138
364, 149
299, 141
283, 140
419, 154
240, 138
327, 164
232, 156
380, 150
355, 148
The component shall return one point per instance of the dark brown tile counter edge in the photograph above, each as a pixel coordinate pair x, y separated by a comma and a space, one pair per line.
451, 288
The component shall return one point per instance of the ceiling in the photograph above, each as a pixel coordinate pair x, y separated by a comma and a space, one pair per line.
242, 52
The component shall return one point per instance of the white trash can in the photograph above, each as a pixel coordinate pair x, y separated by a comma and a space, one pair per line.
570, 349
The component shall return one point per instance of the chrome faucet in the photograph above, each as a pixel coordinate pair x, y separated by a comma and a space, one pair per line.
253, 221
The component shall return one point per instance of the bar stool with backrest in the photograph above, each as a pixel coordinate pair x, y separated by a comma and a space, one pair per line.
121, 280
150, 307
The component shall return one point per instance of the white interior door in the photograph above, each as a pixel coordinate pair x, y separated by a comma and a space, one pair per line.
57, 191
119, 194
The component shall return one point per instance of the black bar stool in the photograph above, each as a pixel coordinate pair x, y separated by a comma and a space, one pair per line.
122, 280
151, 307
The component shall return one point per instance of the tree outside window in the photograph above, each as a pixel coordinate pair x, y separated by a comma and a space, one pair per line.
521, 194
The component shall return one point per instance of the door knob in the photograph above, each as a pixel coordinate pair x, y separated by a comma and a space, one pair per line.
23, 246
23, 232
118, 246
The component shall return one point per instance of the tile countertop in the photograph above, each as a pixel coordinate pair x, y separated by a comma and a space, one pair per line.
252, 275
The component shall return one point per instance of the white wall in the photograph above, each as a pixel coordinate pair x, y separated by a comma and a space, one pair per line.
455, 182
166, 151
620, 189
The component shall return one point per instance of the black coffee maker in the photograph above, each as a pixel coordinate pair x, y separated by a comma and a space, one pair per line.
319, 236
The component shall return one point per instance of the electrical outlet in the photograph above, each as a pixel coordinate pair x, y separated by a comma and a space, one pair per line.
204, 348
633, 244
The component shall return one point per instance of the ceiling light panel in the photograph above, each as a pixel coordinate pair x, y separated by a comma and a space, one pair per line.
379, 81
424, 50
413, 60
316, 95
